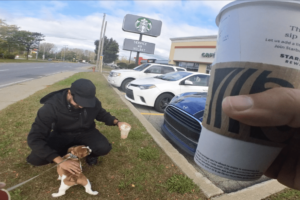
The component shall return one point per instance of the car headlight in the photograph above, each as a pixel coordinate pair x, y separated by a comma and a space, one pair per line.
115, 74
146, 87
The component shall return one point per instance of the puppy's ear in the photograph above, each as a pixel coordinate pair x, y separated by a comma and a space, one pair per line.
71, 149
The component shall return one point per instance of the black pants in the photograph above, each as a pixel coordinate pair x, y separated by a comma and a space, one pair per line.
62, 141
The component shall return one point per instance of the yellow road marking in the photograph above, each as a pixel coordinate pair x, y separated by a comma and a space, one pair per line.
152, 114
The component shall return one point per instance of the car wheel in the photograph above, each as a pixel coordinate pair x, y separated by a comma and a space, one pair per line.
125, 83
162, 101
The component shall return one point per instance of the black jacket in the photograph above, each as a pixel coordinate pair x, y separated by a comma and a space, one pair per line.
57, 114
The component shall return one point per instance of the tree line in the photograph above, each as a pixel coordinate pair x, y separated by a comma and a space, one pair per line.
14, 41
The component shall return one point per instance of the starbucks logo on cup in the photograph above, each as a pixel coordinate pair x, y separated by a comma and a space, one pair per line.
251, 78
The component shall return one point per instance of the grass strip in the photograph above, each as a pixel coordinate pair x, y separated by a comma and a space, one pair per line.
136, 168
286, 194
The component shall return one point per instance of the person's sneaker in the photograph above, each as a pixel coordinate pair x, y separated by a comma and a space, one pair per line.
91, 160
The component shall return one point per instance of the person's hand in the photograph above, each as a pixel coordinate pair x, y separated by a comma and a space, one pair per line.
2, 185
71, 166
274, 107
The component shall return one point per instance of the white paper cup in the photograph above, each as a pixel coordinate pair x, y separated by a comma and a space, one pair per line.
258, 48
125, 128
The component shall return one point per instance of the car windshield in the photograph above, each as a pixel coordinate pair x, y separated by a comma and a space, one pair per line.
174, 76
141, 67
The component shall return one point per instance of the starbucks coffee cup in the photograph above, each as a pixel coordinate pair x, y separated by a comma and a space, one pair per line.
258, 48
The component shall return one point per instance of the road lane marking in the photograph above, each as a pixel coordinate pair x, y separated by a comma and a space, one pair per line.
15, 82
1, 70
152, 114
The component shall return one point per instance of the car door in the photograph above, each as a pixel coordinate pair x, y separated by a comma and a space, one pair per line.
154, 70
195, 83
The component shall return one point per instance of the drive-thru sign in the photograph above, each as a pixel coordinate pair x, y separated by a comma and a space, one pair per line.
138, 46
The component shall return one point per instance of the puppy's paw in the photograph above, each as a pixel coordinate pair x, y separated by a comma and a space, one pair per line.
57, 194
92, 192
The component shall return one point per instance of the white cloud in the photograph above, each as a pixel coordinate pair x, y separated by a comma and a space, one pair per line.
81, 32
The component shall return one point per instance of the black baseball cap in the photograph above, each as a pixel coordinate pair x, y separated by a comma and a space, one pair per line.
83, 92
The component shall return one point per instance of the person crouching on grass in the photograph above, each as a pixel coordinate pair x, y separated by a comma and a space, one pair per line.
67, 119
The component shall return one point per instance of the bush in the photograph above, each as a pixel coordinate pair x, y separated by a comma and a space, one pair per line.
9, 56
122, 65
131, 66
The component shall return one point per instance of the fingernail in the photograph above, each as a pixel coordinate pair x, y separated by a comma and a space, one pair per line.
238, 103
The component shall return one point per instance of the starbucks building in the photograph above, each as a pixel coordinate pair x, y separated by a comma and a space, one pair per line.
193, 53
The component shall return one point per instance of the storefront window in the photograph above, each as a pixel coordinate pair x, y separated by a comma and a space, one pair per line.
208, 68
189, 66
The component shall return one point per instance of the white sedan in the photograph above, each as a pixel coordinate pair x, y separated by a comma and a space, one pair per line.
157, 92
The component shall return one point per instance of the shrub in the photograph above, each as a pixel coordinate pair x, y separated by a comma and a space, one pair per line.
122, 65
9, 56
131, 66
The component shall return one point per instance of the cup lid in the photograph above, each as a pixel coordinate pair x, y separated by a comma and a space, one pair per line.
239, 2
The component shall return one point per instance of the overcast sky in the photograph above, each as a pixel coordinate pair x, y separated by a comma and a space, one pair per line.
77, 23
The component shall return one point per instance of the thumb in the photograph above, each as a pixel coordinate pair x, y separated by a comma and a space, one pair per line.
2, 185
274, 107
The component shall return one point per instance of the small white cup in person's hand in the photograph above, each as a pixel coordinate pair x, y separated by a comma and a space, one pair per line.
125, 128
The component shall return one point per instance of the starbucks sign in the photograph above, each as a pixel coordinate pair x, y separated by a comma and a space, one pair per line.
142, 25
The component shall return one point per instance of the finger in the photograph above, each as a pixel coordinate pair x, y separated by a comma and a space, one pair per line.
276, 166
274, 107
2, 185
76, 169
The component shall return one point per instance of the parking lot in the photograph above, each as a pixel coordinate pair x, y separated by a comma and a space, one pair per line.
227, 185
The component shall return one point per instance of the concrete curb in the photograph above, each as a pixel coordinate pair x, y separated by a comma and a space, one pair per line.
208, 188
254, 192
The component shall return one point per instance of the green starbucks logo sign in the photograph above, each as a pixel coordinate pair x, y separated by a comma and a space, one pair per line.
143, 25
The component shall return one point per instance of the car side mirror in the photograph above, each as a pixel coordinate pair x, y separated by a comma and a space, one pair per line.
187, 82
147, 71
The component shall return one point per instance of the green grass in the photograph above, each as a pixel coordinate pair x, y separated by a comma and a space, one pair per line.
180, 184
287, 194
136, 168
19, 60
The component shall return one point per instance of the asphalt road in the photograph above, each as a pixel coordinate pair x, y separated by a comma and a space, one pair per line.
13, 73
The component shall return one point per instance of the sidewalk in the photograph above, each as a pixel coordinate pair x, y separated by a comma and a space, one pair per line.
17, 92
14, 93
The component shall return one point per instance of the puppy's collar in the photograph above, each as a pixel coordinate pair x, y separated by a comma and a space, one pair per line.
72, 156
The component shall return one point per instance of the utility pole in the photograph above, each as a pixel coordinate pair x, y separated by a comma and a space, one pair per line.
65, 52
37, 52
98, 54
44, 52
103, 37
138, 53
130, 57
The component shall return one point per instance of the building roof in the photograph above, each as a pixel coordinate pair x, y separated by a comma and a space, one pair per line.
207, 37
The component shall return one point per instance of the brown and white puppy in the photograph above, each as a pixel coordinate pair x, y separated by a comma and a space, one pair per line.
68, 179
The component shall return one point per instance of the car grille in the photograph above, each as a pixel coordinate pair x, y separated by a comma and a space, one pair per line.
181, 137
129, 94
111, 74
183, 123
